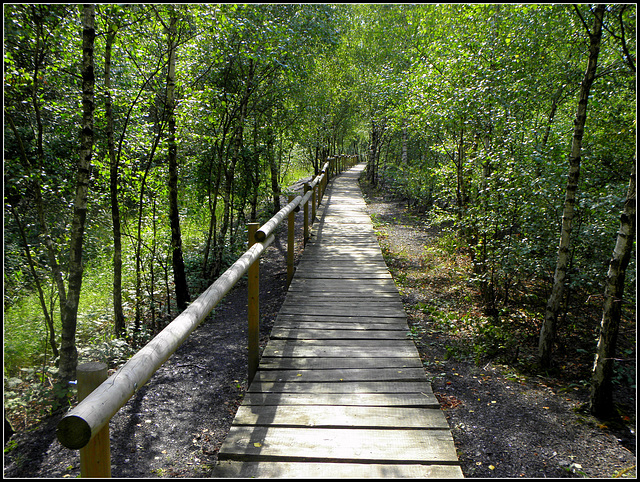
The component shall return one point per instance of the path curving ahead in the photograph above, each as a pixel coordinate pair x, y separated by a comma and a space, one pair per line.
340, 390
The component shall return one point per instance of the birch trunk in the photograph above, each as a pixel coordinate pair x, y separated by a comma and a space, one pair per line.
68, 351
601, 398
548, 331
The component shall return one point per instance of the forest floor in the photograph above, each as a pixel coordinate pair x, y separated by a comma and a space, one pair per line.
504, 423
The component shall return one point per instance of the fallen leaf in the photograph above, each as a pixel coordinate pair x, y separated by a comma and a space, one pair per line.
257, 444
491, 467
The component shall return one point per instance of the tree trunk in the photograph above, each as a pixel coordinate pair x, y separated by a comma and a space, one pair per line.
601, 398
229, 174
405, 140
119, 326
47, 316
548, 332
179, 276
68, 351
213, 188
273, 163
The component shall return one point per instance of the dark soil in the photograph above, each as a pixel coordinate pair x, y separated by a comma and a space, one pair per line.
504, 423
506, 420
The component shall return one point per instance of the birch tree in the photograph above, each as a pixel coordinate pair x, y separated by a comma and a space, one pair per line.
601, 390
68, 350
548, 331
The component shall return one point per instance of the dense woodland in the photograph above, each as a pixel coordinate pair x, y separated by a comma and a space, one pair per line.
140, 139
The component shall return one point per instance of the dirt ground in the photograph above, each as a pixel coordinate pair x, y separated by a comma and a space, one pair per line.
503, 424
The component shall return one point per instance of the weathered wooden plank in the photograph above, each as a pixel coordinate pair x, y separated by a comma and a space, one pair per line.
322, 363
339, 416
293, 322
423, 399
343, 262
338, 302
305, 305
325, 296
373, 373
422, 386
362, 345
326, 334
371, 286
338, 275
326, 256
398, 321
290, 350
353, 269
344, 445
310, 470
343, 239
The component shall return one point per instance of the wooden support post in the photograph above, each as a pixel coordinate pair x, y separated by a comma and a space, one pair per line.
254, 307
95, 457
307, 187
313, 203
290, 241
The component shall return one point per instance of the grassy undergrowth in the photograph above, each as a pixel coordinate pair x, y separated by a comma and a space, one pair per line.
29, 365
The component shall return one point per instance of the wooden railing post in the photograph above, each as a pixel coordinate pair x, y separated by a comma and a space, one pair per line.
313, 203
95, 457
253, 283
290, 240
307, 187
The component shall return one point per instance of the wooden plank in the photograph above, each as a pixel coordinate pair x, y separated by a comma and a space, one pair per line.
273, 349
372, 373
343, 287
345, 262
356, 345
311, 284
305, 305
355, 269
343, 310
343, 445
301, 298
423, 399
336, 274
322, 334
422, 386
292, 322
344, 296
286, 363
234, 469
340, 417
308, 322
398, 321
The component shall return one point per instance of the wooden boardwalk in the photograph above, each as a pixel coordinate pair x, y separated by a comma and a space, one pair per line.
340, 390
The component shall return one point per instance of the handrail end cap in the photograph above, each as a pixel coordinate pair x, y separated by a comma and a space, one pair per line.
73, 432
